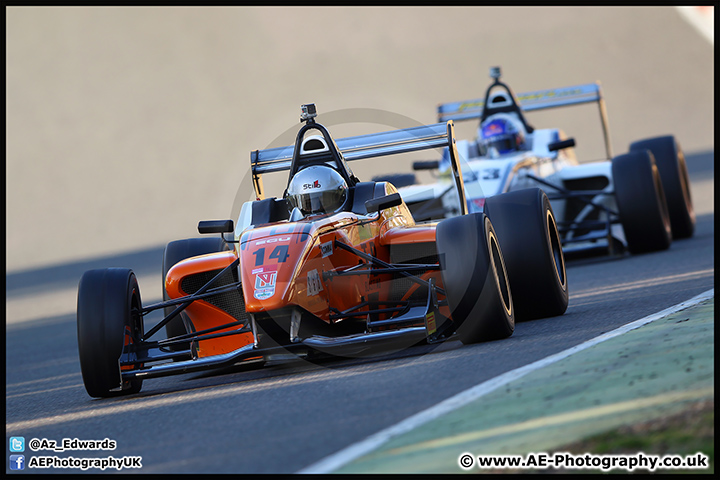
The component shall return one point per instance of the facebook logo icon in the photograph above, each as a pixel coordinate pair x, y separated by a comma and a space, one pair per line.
17, 462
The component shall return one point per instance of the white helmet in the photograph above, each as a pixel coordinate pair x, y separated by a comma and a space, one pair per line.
317, 189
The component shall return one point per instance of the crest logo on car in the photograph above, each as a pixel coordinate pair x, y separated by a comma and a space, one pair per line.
265, 285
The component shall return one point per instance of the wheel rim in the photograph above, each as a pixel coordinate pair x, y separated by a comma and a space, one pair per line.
664, 212
556, 249
135, 318
496, 261
134, 332
685, 183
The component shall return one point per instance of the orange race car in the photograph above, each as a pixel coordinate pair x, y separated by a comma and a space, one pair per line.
334, 266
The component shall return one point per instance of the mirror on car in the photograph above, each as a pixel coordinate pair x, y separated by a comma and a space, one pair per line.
216, 226
426, 165
388, 201
570, 142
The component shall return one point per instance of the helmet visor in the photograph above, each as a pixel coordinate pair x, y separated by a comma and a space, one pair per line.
503, 144
319, 202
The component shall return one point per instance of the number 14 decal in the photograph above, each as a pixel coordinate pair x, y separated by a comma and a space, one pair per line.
280, 253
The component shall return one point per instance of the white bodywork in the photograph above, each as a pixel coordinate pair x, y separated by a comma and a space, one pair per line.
485, 177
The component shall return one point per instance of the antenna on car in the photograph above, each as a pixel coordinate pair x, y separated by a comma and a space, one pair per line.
309, 112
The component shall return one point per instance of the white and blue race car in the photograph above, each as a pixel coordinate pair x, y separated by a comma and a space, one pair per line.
637, 202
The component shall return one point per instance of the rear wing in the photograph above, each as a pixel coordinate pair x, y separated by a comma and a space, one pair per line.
393, 142
537, 100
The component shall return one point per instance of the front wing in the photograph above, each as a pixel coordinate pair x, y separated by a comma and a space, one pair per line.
413, 324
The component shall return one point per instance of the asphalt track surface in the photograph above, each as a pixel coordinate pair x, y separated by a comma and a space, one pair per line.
127, 126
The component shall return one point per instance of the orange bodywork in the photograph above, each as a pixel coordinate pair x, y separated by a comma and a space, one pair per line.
203, 314
286, 264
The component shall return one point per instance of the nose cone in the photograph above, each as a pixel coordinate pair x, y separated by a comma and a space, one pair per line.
269, 260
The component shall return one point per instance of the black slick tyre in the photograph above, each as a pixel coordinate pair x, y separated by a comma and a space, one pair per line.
670, 162
108, 319
641, 202
529, 238
475, 278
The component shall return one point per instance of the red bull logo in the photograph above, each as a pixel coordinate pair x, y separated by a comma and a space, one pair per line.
493, 128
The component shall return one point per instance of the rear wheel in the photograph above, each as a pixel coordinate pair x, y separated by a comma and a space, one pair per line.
641, 202
670, 162
108, 319
525, 225
174, 253
475, 279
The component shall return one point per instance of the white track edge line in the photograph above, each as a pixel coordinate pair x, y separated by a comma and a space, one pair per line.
352, 452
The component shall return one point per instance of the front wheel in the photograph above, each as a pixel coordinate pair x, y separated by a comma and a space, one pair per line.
475, 279
108, 320
525, 224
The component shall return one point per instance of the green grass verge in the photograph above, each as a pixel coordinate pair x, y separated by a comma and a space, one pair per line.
683, 434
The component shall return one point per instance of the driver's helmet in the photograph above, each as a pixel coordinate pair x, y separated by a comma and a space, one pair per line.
500, 134
317, 189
